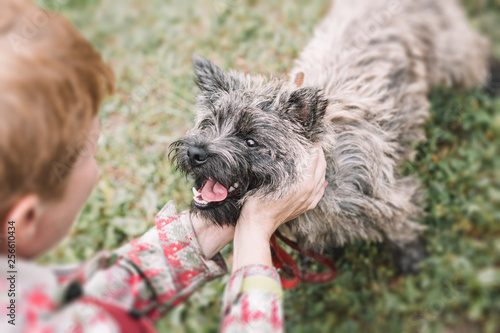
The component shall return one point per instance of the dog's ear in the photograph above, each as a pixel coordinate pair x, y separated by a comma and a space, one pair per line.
306, 106
210, 78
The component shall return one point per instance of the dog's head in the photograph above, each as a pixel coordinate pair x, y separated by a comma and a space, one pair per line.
252, 137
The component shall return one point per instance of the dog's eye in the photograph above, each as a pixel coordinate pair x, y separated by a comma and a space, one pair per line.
251, 143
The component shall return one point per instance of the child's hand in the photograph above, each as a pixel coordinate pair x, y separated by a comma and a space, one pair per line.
267, 216
259, 219
211, 237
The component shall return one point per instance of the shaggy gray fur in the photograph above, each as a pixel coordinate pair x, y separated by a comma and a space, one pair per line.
360, 89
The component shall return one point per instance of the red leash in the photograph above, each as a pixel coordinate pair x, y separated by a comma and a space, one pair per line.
281, 259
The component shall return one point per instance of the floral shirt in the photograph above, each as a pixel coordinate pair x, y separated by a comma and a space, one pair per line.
130, 288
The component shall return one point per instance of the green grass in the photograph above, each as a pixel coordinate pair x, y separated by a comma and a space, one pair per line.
149, 44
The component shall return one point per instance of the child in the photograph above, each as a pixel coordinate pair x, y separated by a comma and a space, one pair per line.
52, 83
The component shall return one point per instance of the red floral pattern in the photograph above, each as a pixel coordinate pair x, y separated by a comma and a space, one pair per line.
149, 276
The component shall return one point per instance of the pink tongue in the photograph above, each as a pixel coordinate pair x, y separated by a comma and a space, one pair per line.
213, 191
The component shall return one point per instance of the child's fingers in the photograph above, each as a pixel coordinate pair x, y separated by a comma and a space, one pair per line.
323, 176
318, 196
319, 184
313, 187
320, 172
310, 183
318, 165
322, 164
316, 180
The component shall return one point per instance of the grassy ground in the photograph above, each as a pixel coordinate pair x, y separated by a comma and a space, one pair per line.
149, 44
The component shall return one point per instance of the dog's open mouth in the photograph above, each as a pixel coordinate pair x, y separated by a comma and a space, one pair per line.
212, 193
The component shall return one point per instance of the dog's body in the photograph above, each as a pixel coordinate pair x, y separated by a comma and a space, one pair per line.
360, 89
376, 69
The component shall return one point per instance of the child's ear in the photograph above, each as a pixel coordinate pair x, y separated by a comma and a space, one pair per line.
26, 215
306, 106
210, 78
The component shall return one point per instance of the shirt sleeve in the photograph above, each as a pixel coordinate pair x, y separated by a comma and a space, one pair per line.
157, 271
253, 301
145, 278
136, 283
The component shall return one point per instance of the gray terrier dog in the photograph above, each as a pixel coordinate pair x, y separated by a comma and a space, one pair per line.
359, 89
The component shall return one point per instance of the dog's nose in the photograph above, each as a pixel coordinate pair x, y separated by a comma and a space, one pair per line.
197, 155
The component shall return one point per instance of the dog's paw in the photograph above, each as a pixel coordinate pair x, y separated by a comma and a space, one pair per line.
407, 258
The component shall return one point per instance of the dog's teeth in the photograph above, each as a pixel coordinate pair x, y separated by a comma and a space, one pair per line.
231, 189
236, 185
195, 193
203, 202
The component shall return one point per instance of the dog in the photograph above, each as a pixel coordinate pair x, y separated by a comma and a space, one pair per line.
359, 88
